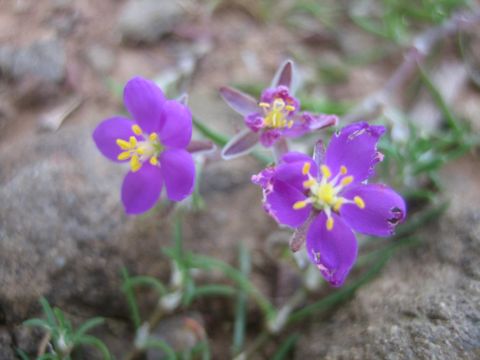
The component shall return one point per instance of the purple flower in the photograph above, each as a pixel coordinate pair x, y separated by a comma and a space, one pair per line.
330, 198
154, 143
276, 115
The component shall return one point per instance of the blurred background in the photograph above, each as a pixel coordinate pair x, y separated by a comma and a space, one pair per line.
63, 232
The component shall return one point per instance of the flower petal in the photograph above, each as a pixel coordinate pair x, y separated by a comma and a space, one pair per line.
332, 251
284, 75
384, 209
240, 144
355, 147
144, 100
108, 131
242, 103
141, 189
176, 129
279, 204
178, 172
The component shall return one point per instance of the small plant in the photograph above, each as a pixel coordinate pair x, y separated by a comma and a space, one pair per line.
61, 339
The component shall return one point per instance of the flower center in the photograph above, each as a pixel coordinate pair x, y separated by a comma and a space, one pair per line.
325, 194
276, 114
139, 151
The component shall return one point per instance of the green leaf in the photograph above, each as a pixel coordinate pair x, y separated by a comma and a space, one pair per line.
150, 281
48, 311
239, 325
22, 354
131, 300
37, 322
87, 326
285, 350
162, 345
93, 341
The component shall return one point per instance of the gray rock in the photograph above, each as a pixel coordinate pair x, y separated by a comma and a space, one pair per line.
426, 304
64, 234
6, 345
145, 21
44, 59
100, 58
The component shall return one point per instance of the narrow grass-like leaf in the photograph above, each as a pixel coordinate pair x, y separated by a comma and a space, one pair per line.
22, 354
48, 311
214, 290
88, 325
239, 325
149, 281
131, 300
208, 263
162, 345
93, 341
285, 350
37, 322
451, 119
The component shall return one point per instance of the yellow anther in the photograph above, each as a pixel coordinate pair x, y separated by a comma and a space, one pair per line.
306, 168
154, 160
326, 171
309, 183
124, 145
133, 141
289, 108
290, 124
300, 204
346, 180
343, 170
137, 130
329, 223
153, 137
264, 105
135, 163
338, 204
359, 202
124, 155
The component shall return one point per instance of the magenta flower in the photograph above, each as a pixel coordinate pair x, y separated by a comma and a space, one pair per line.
328, 198
154, 144
276, 115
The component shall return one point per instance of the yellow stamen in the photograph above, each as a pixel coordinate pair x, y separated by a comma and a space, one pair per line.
343, 170
309, 183
154, 160
140, 150
359, 202
124, 145
133, 141
289, 107
153, 137
346, 180
325, 171
135, 163
338, 204
137, 130
264, 105
124, 155
329, 223
290, 124
300, 204
306, 168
